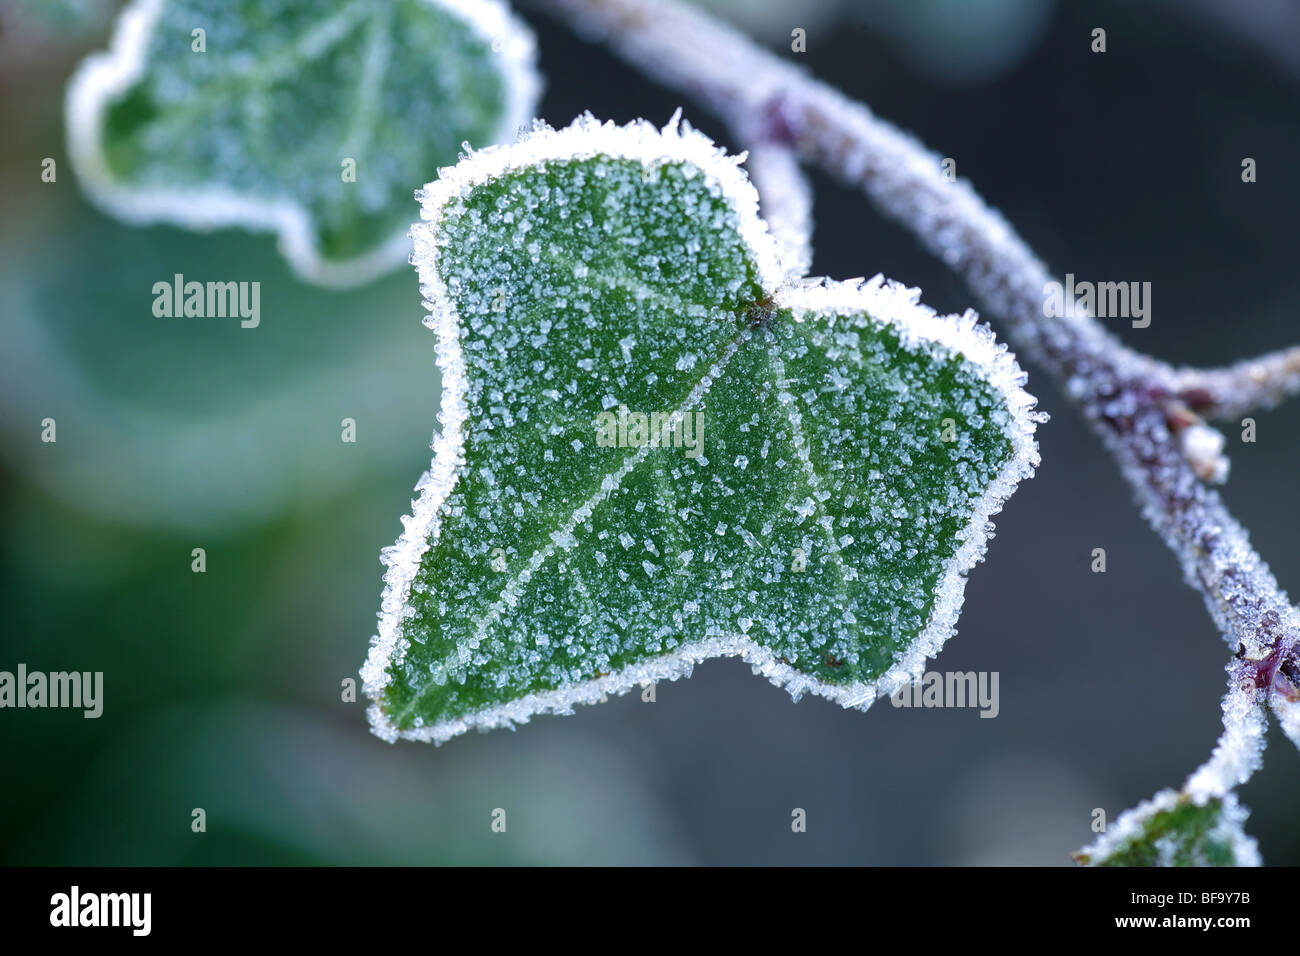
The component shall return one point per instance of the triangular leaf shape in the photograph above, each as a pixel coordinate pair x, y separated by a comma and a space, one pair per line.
829, 453
309, 118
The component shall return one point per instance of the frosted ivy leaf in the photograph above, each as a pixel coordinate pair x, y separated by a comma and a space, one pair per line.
827, 460
310, 118
1175, 829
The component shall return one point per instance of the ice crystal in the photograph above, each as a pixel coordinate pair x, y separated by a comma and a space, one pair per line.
1173, 829
1288, 717
206, 113
1202, 824
706, 458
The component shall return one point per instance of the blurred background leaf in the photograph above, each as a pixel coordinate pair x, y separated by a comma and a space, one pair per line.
197, 423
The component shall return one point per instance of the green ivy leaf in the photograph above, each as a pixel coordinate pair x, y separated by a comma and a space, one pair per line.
832, 456
1173, 829
310, 118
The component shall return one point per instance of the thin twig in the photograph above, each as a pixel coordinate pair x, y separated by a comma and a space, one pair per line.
1228, 393
1240, 749
1136, 403
786, 201
1238, 754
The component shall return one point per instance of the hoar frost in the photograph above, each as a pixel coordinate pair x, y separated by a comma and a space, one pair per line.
824, 531
160, 130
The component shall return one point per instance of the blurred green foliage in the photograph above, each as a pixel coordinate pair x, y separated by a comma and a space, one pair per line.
223, 690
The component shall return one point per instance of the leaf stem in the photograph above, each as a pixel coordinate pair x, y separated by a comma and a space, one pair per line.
785, 202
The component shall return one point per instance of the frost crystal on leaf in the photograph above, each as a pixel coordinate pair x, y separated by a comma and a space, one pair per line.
196, 116
1201, 825
657, 449
1173, 829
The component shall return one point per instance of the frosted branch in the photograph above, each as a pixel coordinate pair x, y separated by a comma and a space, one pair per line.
1240, 750
1241, 388
785, 200
1237, 755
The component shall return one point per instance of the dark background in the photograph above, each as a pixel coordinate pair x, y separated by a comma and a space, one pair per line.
222, 689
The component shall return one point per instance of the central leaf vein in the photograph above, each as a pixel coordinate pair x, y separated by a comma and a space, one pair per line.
563, 537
